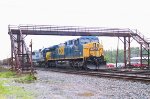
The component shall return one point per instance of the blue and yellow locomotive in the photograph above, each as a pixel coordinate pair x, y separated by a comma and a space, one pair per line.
84, 52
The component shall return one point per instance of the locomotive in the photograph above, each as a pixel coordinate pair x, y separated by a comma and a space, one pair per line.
84, 52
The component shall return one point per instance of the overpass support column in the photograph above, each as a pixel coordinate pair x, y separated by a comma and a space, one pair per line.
148, 58
12, 57
129, 52
141, 53
125, 51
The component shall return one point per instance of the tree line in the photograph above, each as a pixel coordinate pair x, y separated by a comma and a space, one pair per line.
110, 55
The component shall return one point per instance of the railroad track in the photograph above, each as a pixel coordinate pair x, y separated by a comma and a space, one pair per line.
111, 73
142, 76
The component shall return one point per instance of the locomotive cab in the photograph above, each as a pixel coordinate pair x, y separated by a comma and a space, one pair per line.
92, 52
92, 49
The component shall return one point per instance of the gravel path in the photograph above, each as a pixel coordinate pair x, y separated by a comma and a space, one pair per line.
52, 85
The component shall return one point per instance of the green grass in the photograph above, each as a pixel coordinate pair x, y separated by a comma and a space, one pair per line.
24, 78
7, 74
15, 92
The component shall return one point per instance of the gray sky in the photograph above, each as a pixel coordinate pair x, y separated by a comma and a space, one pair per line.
100, 13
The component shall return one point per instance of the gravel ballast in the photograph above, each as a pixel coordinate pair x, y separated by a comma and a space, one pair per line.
54, 85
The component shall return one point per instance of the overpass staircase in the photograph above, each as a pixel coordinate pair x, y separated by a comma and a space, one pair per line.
144, 45
20, 55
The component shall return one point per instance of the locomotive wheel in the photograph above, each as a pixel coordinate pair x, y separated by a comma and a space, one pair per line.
46, 64
53, 64
84, 66
80, 65
72, 64
77, 65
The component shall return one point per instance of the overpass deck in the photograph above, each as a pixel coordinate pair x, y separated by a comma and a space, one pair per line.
71, 31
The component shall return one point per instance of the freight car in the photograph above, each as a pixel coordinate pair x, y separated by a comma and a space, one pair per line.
84, 52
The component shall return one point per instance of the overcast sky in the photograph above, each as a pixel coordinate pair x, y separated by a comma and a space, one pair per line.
133, 14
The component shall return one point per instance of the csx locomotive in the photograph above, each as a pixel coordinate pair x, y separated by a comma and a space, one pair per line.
84, 52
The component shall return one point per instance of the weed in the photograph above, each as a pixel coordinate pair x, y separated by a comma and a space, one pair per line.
26, 79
